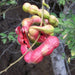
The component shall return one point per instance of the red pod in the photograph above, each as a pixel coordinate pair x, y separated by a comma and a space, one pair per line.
41, 39
36, 19
26, 40
49, 45
20, 40
23, 48
36, 56
27, 57
18, 30
26, 23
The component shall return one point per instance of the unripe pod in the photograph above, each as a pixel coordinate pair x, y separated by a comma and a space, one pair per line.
26, 7
53, 20
33, 32
47, 29
33, 9
32, 38
41, 39
46, 14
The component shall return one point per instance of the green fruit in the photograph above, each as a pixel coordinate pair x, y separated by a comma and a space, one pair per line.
33, 9
47, 29
53, 20
46, 14
26, 7
33, 32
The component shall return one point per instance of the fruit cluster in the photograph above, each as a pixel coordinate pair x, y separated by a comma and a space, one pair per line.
34, 10
30, 31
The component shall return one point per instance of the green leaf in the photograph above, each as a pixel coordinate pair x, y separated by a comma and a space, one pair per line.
11, 2
3, 34
53, 14
57, 30
16, 36
61, 2
4, 41
73, 52
12, 33
62, 15
73, 17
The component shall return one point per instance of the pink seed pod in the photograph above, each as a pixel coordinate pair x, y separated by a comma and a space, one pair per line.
36, 56
26, 23
51, 42
23, 48
27, 57
20, 40
18, 30
26, 40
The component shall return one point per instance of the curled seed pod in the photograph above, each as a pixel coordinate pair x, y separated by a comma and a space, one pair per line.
51, 42
26, 23
23, 48
53, 20
36, 19
48, 45
33, 32
41, 39
27, 57
18, 30
32, 38
20, 40
26, 6
47, 29
46, 14
33, 9
36, 56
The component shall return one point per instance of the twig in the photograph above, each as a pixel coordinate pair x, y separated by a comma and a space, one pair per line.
5, 10
6, 50
10, 8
